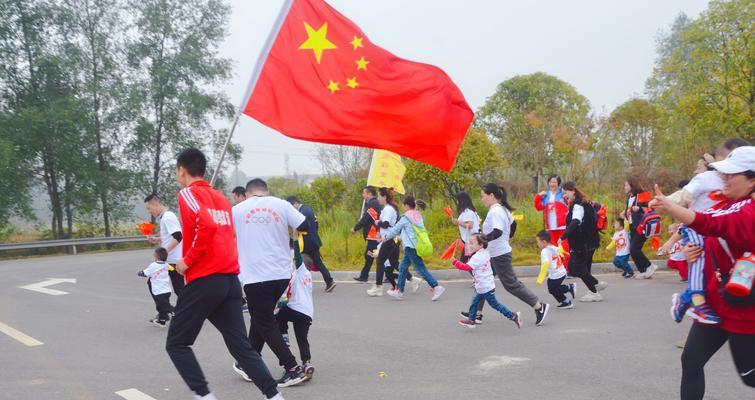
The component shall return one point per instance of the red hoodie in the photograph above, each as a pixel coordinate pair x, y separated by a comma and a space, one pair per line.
208, 235
734, 223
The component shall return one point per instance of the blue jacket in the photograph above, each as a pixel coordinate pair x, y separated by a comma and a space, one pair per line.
312, 239
404, 228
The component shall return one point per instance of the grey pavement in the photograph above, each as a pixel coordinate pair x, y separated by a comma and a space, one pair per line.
97, 341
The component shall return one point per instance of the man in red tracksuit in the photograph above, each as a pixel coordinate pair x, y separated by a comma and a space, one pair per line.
212, 291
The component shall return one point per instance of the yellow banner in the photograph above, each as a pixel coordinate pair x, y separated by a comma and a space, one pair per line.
387, 170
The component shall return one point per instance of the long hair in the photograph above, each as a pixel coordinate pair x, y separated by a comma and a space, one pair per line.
634, 183
579, 197
389, 199
464, 202
499, 193
414, 203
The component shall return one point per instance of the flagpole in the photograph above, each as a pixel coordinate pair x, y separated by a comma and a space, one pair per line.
282, 14
369, 175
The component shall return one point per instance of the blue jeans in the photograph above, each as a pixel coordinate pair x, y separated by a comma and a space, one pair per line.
490, 298
411, 257
622, 263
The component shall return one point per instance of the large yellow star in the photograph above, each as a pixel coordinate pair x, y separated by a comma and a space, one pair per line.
317, 40
357, 42
362, 64
352, 82
333, 87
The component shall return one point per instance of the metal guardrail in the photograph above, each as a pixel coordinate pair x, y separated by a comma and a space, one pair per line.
72, 243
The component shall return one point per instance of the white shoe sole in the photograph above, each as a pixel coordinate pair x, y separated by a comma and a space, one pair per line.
292, 382
437, 292
591, 300
241, 373
467, 326
651, 270
694, 316
570, 306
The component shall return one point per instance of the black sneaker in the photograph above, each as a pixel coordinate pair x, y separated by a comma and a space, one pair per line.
240, 371
330, 286
629, 275
291, 377
309, 370
573, 290
159, 322
624, 274
541, 314
358, 279
565, 305
478, 319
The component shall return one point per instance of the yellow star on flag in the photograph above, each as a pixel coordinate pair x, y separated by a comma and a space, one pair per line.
352, 82
333, 86
357, 42
317, 40
362, 64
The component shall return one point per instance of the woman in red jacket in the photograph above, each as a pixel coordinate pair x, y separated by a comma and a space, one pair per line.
730, 232
554, 208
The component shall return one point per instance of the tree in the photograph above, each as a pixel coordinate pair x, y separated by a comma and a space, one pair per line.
540, 122
479, 162
634, 129
348, 162
328, 191
173, 58
704, 79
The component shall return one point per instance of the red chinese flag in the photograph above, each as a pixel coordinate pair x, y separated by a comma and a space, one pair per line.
324, 81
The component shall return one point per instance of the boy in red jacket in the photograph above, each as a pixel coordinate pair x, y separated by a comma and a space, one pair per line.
212, 291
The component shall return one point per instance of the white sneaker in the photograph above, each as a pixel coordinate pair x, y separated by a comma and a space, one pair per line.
601, 286
278, 396
437, 291
591, 297
241, 372
396, 294
208, 396
641, 275
375, 291
651, 270
415, 284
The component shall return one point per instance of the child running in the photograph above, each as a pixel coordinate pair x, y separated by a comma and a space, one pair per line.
620, 241
299, 309
552, 265
159, 286
484, 283
676, 259
406, 226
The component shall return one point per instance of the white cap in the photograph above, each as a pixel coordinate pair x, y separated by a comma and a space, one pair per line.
741, 159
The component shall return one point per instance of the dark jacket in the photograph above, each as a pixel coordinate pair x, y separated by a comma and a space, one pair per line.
582, 236
366, 222
312, 238
636, 215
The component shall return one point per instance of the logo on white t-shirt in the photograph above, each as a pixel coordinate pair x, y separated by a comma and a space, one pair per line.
262, 216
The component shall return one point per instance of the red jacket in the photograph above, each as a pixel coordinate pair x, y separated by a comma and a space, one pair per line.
208, 235
735, 223
541, 204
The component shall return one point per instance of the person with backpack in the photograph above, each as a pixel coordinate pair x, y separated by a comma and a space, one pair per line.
582, 233
497, 229
411, 228
634, 215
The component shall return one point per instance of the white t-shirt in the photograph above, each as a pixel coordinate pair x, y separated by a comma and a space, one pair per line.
552, 218
621, 238
578, 213
388, 214
262, 237
168, 226
676, 253
468, 216
301, 292
630, 201
549, 254
498, 218
157, 272
700, 186
482, 273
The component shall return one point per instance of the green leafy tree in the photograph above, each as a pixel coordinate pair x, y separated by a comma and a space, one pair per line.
634, 128
328, 192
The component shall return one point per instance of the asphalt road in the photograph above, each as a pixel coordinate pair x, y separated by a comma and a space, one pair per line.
96, 342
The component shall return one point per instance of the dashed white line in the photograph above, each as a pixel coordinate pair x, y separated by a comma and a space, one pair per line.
133, 394
20, 336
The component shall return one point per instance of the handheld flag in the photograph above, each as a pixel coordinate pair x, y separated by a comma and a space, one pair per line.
449, 252
387, 170
324, 81
146, 228
449, 211
644, 197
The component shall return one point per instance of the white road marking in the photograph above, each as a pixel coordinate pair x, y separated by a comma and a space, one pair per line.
41, 287
496, 362
20, 336
133, 394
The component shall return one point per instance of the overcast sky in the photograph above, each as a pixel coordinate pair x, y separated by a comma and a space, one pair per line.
605, 48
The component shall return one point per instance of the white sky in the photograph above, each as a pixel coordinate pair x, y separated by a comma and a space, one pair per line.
605, 48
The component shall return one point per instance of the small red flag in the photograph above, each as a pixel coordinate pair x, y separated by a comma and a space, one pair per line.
146, 228
449, 211
324, 81
449, 252
644, 197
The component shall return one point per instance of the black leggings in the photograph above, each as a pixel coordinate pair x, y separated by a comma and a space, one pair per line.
301, 324
702, 343
314, 254
636, 242
389, 251
580, 266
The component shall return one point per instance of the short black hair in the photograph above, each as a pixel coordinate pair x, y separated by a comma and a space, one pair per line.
256, 183
161, 254
239, 191
544, 236
683, 183
619, 219
152, 196
558, 179
293, 200
371, 189
194, 161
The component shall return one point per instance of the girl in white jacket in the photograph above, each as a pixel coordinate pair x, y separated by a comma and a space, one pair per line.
484, 283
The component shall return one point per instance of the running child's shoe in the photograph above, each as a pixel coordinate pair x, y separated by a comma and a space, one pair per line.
468, 323
291, 377
437, 291
396, 294
566, 304
704, 314
678, 307
477, 320
159, 322
517, 319
309, 370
